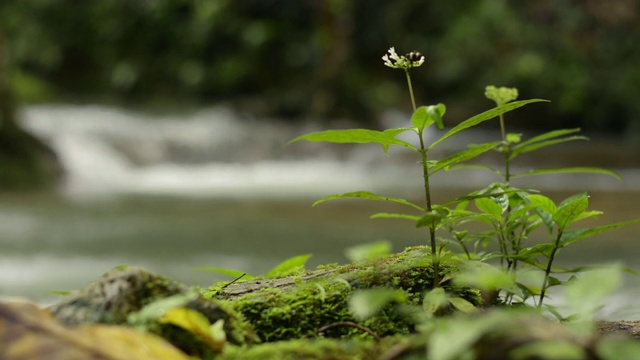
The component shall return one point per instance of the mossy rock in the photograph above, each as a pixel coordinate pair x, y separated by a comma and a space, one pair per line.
298, 306
311, 349
124, 291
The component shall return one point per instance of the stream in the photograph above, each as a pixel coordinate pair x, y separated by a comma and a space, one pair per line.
176, 193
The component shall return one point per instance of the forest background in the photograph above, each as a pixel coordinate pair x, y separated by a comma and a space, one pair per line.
320, 59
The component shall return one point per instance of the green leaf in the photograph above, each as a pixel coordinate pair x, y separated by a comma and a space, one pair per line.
395, 132
436, 112
463, 305
570, 209
197, 324
587, 214
488, 206
501, 95
384, 215
350, 136
579, 169
543, 203
368, 302
616, 348
158, 308
420, 118
371, 251
432, 218
519, 150
514, 138
468, 154
484, 116
570, 237
586, 294
549, 350
547, 135
292, 264
483, 276
434, 300
368, 196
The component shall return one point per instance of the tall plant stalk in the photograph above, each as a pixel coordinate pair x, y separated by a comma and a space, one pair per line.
427, 189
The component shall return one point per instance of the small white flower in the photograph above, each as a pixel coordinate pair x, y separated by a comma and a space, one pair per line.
395, 61
392, 59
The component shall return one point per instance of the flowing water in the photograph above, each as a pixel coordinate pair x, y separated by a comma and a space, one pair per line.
211, 188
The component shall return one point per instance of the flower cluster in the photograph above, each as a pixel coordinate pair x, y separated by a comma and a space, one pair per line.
408, 61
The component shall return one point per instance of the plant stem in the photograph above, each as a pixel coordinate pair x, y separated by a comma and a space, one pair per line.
507, 151
413, 100
547, 272
427, 191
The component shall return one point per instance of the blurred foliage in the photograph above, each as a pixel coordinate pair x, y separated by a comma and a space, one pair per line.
321, 58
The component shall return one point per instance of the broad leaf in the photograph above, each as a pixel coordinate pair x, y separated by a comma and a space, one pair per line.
463, 305
368, 196
358, 136
488, 206
580, 169
197, 324
420, 118
472, 152
368, 302
570, 209
487, 115
586, 294
543, 203
371, 251
434, 300
436, 112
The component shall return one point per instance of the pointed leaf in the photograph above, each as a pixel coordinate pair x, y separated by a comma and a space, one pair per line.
543, 144
472, 152
350, 136
487, 115
570, 209
395, 132
570, 237
292, 264
384, 215
225, 271
488, 206
547, 135
580, 169
368, 196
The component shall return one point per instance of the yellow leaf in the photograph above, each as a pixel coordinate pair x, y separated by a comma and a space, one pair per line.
197, 324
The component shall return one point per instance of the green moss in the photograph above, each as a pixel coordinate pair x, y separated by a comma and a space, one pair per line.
297, 308
311, 349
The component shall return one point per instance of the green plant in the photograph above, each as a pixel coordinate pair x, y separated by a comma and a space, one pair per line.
511, 213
